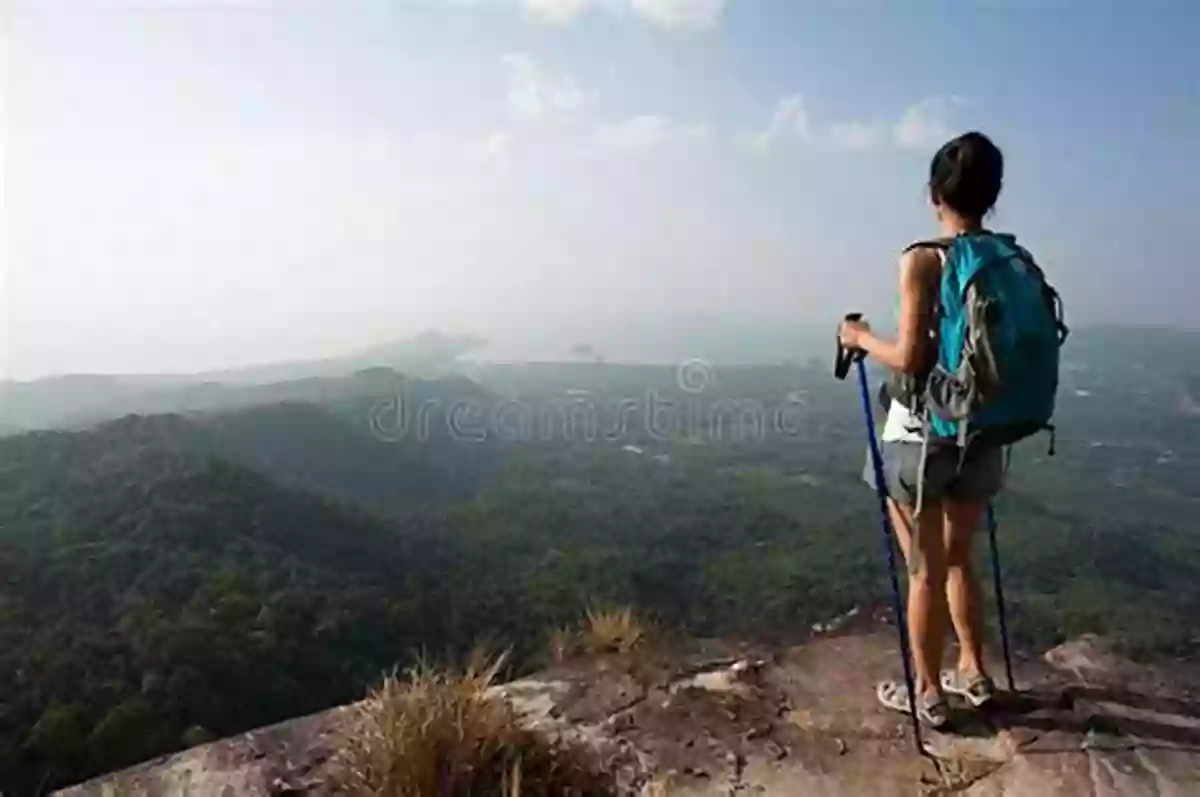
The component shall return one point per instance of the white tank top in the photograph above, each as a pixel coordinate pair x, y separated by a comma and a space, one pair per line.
900, 424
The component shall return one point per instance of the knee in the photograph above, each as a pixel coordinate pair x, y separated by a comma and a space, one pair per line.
958, 562
930, 574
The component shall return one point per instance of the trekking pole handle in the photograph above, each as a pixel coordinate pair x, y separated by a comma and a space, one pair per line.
846, 356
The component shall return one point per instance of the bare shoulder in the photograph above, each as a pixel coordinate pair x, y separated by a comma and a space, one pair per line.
921, 265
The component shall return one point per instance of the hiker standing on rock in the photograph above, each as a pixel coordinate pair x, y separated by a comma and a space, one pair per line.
950, 413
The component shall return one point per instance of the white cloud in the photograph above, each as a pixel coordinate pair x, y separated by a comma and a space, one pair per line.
925, 124
789, 120
854, 136
533, 95
922, 125
680, 14
555, 12
635, 133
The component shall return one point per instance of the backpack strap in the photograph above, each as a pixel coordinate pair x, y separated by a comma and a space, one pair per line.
947, 241
941, 244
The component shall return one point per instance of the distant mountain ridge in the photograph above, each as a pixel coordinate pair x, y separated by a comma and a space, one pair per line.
1162, 355
333, 451
427, 353
81, 399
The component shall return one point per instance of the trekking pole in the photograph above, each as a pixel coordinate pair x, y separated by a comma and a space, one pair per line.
841, 368
996, 581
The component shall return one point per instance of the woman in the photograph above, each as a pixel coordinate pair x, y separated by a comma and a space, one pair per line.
964, 182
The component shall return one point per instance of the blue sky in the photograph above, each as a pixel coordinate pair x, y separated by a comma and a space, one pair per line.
205, 183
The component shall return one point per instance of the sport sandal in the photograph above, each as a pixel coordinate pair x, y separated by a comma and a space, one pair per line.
978, 691
931, 709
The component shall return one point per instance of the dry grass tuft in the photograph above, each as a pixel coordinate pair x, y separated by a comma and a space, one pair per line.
613, 631
440, 734
563, 644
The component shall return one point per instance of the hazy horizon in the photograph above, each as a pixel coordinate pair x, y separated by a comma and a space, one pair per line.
721, 341
194, 185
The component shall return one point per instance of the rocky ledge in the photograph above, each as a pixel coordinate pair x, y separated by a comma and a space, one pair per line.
730, 720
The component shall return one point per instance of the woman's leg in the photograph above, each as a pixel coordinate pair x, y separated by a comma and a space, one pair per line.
980, 479
928, 619
963, 593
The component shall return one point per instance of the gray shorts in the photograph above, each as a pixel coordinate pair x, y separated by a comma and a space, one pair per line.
979, 479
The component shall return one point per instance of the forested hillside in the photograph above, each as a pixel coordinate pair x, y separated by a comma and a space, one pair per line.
149, 596
167, 578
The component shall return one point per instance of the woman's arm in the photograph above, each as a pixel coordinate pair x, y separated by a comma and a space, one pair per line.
918, 274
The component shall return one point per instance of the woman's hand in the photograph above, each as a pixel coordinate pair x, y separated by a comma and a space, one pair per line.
852, 332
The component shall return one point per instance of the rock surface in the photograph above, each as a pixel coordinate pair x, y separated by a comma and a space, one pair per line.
739, 721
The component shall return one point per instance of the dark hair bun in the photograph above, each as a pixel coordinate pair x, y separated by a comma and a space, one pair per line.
966, 175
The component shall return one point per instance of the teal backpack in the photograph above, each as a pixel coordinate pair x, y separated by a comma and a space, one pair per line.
1000, 327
